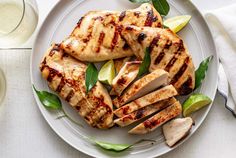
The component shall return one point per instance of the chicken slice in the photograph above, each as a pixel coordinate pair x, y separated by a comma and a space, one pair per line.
142, 86
119, 63
126, 75
177, 129
144, 112
167, 51
151, 98
97, 34
158, 119
66, 76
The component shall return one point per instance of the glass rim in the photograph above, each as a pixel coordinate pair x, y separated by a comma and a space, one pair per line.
18, 24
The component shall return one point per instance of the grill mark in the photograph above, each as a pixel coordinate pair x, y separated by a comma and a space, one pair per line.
154, 42
121, 81
181, 71
122, 16
52, 73
100, 41
98, 18
153, 122
186, 87
137, 13
118, 29
170, 64
139, 114
141, 37
69, 96
168, 44
87, 39
129, 28
80, 22
149, 18
61, 85
159, 58
180, 46
126, 46
100, 103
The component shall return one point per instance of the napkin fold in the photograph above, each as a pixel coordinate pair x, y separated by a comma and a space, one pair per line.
222, 23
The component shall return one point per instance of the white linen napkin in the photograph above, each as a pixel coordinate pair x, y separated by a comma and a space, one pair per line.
222, 23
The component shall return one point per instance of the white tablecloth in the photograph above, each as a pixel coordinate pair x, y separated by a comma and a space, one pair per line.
24, 132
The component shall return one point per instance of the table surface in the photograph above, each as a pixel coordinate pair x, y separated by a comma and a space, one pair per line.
24, 132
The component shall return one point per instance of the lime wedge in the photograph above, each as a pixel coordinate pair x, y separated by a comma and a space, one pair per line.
107, 72
194, 103
177, 23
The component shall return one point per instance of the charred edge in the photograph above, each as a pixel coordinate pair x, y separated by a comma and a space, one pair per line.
65, 55
69, 96
181, 71
44, 62
137, 14
100, 40
78, 108
154, 42
139, 114
126, 46
170, 64
118, 29
80, 22
149, 19
122, 16
159, 58
141, 37
186, 87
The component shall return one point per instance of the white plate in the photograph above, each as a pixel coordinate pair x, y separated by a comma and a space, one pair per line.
60, 23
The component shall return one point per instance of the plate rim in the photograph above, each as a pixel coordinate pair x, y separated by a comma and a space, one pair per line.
85, 151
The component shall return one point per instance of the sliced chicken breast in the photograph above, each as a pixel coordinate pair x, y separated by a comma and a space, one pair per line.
158, 119
126, 75
144, 112
151, 98
97, 34
143, 86
66, 76
177, 129
119, 63
168, 52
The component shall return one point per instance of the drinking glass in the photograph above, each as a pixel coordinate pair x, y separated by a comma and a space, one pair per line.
18, 20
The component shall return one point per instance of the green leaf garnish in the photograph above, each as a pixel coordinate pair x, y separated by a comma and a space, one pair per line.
49, 100
139, 1
91, 76
52, 101
200, 73
161, 6
116, 147
165, 27
145, 63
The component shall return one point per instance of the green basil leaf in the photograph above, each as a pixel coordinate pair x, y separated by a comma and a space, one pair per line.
145, 63
200, 73
139, 1
162, 6
117, 147
49, 100
112, 147
91, 76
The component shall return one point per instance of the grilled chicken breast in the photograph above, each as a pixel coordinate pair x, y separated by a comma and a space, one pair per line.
97, 34
66, 76
158, 119
126, 75
151, 98
167, 52
143, 86
144, 112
